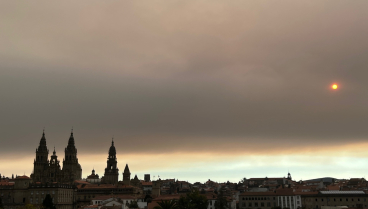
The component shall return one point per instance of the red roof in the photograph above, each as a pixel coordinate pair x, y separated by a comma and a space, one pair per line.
105, 197
81, 182
102, 186
91, 206
6, 183
23, 177
146, 183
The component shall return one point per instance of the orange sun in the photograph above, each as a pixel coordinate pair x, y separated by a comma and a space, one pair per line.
334, 86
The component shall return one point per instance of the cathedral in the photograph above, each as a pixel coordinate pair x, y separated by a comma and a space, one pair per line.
47, 171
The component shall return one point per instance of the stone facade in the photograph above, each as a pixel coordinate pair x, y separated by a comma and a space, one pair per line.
21, 191
284, 198
351, 199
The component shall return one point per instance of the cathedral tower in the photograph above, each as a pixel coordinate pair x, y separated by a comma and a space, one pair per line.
126, 175
41, 162
111, 175
70, 163
55, 171
289, 176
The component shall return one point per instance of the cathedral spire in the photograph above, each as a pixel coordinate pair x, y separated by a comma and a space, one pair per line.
126, 170
42, 146
112, 150
71, 139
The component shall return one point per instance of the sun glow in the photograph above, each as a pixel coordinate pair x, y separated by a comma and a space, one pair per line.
334, 86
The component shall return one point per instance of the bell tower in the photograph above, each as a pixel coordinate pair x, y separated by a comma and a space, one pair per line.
126, 175
111, 175
54, 168
289, 176
41, 162
70, 162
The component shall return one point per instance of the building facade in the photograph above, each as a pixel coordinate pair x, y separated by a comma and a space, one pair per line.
351, 199
284, 198
46, 171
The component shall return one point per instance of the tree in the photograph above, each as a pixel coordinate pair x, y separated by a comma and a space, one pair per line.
243, 180
193, 200
29, 206
1, 203
221, 201
166, 204
133, 204
148, 198
47, 202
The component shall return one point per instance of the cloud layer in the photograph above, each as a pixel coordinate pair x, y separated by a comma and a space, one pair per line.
190, 76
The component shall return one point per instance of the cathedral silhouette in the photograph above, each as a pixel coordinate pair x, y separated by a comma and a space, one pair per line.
49, 171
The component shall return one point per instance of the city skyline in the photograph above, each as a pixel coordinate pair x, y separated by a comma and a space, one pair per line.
194, 90
183, 174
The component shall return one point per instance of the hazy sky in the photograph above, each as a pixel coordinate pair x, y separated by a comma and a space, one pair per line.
189, 89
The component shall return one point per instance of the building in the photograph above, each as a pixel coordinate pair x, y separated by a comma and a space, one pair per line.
22, 191
93, 178
46, 171
126, 175
284, 198
88, 192
111, 175
351, 199
119, 200
61, 194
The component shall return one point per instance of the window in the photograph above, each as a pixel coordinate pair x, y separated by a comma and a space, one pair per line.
242, 204
250, 204
256, 204
268, 204
262, 204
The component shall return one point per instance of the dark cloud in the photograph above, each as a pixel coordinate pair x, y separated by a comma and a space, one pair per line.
178, 76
